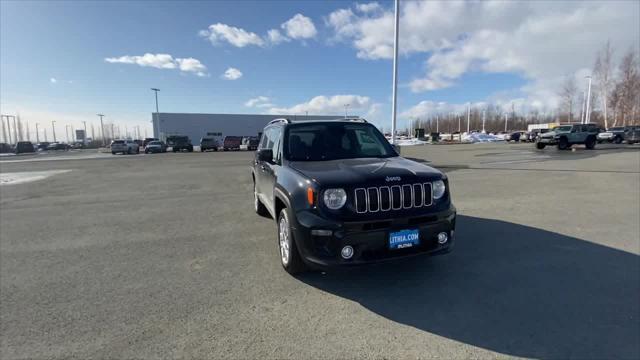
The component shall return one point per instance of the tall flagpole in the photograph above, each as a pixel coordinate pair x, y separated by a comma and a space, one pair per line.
394, 100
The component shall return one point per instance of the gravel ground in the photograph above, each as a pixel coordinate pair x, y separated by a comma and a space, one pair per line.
161, 256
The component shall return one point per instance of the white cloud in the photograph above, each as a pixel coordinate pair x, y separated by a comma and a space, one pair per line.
192, 65
326, 105
260, 102
276, 37
299, 27
232, 74
53, 80
540, 41
162, 61
235, 36
368, 7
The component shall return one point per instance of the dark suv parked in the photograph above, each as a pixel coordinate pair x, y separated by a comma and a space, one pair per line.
179, 143
24, 147
341, 195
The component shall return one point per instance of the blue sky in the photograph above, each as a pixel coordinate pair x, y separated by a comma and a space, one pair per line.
451, 53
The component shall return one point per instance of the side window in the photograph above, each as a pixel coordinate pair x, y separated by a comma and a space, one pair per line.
264, 140
277, 144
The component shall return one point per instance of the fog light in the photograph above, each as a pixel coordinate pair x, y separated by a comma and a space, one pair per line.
347, 252
442, 238
319, 232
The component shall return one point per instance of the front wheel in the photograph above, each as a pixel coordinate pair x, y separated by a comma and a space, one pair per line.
540, 146
113, 153
590, 143
289, 256
563, 144
617, 140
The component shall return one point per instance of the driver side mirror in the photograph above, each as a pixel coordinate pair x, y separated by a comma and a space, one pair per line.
265, 155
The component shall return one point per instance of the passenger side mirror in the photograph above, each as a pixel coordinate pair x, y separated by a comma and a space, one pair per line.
265, 155
396, 147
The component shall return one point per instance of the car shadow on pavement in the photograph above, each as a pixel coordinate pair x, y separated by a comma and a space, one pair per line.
509, 288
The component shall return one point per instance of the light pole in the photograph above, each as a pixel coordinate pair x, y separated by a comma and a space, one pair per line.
102, 129
394, 99
587, 116
37, 133
468, 116
505, 122
157, 112
84, 139
483, 121
53, 127
6, 131
346, 106
584, 101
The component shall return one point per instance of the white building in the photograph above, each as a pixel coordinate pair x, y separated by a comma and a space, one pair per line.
196, 126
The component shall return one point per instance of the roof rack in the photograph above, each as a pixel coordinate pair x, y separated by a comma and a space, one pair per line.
284, 120
356, 118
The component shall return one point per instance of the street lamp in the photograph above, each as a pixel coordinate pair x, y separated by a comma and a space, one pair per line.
102, 130
157, 112
84, 139
37, 134
53, 127
587, 116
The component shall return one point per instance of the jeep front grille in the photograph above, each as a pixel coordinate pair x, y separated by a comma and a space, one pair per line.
396, 197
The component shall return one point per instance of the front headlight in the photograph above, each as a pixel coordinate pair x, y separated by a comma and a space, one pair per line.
438, 189
334, 199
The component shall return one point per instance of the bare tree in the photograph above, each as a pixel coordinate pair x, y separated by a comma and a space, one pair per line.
568, 94
602, 70
629, 85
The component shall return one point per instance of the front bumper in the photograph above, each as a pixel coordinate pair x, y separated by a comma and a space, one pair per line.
547, 140
369, 239
153, 150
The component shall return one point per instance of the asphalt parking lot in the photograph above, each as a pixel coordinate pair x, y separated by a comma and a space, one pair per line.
149, 256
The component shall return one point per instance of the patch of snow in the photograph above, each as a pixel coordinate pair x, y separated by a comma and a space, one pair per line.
410, 142
27, 176
481, 138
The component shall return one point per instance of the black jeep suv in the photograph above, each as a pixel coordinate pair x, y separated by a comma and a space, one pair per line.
341, 195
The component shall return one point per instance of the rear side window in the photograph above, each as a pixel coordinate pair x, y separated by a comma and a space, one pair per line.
118, 142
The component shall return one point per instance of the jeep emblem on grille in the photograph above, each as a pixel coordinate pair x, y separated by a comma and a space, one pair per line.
393, 178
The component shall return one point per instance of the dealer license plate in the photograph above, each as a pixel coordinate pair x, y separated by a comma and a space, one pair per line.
404, 239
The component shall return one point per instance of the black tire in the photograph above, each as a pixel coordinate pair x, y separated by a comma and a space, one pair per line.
258, 206
617, 140
563, 144
630, 142
599, 141
540, 145
590, 143
146, 152
174, 150
113, 153
289, 255
129, 151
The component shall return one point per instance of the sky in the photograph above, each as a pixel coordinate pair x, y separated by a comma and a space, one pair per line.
68, 61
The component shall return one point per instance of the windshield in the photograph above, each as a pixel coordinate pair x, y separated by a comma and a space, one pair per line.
155, 143
317, 142
616, 129
562, 128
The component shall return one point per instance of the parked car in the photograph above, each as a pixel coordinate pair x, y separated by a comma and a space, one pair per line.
148, 140
125, 147
209, 143
343, 196
566, 135
250, 143
24, 147
78, 145
155, 147
5, 148
516, 136
231, 143
42, 146
632, 135
614, 135
58, 146
179, 143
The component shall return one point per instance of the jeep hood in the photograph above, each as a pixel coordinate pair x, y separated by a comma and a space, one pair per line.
370, 171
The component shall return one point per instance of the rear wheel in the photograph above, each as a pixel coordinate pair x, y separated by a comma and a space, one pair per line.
590, 143
617, 140
113, 153
540, 145
289, 256
129, 151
